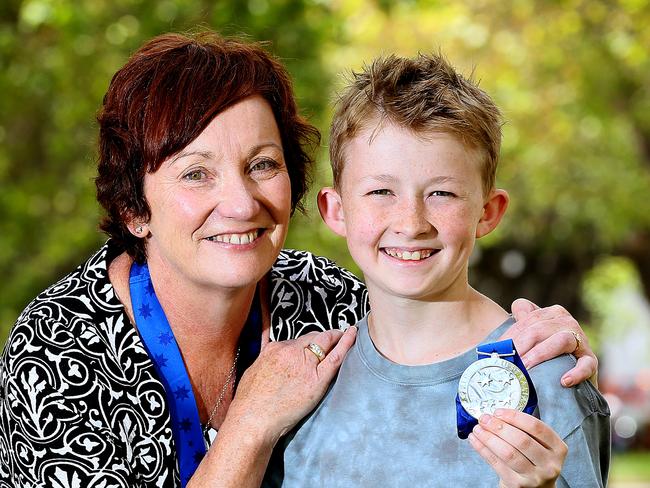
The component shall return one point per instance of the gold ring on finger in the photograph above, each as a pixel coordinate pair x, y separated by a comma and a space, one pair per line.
578, 341
317, 350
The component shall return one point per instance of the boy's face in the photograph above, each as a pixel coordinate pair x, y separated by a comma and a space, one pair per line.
411, 206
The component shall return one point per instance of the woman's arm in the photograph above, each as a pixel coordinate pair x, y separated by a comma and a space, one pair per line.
544, 333
280, 388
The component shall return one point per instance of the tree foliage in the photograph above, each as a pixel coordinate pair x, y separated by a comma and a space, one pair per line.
571, 76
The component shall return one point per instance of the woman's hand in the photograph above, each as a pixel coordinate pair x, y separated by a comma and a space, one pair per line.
523, 450
283, 385
287, 380
544, 333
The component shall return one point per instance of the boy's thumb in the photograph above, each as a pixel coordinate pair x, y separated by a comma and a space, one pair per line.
522, 307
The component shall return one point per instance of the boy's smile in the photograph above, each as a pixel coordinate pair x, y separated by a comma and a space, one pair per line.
411, 207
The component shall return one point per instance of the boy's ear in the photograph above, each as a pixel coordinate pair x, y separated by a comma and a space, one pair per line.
493, 210
330, 207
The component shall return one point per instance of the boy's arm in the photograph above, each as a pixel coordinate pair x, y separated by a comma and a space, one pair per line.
522, 449
544, 333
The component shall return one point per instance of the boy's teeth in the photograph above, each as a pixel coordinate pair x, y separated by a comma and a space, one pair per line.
244, 238
409, 255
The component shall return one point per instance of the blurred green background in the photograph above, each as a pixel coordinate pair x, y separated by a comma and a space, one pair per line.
572, 78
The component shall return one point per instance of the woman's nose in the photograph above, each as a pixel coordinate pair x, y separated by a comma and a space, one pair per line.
237, 199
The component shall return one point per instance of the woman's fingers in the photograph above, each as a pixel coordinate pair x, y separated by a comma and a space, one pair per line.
586, 367
334, 344
287, 380
544, 333
522, 450
332, 362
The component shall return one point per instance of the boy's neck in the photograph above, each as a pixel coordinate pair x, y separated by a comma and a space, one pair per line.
413, 332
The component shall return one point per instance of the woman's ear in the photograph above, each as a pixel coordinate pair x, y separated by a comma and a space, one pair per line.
330, 207
493, 210
138, 228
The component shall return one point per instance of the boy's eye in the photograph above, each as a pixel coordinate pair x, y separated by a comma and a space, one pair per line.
381, 191
441, 193
263, 165
194, 175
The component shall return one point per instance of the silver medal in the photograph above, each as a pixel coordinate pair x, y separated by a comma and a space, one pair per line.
491, 383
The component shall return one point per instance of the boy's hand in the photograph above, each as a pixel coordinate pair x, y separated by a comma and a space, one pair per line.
544, 333
523, 450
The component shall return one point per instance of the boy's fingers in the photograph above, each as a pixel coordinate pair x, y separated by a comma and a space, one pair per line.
532, 426
512, 445
507, 476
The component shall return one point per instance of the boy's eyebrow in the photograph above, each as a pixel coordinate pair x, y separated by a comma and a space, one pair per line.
385, 178
382, 178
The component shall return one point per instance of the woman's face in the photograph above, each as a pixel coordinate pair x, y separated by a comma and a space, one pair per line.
220, 207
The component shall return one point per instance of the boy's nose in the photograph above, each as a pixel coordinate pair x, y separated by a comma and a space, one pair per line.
411, 220
237, 199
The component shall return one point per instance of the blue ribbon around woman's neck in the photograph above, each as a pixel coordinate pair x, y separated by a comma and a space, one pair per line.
160, 343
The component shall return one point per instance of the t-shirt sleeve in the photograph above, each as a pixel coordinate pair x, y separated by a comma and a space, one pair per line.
587, 461
580, 416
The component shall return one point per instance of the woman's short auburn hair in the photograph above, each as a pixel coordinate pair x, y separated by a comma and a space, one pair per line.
164, 97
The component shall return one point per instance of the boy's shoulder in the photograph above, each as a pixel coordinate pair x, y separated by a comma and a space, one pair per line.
565, 409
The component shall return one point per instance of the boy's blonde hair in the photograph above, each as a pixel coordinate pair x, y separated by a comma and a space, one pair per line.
423, 94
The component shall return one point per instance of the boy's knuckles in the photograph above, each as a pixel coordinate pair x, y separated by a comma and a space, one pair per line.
510, 456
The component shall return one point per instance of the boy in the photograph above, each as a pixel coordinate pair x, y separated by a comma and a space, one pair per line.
414, 150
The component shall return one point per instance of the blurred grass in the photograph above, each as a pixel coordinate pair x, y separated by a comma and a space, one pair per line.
630, 467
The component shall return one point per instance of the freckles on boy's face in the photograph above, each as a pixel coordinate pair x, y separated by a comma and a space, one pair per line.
411, 204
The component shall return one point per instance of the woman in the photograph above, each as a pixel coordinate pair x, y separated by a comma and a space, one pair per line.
115, 375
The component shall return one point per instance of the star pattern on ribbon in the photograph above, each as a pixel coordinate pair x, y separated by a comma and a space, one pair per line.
149, 289
161, 359
186, 424
145, 310
166, 338
181, 393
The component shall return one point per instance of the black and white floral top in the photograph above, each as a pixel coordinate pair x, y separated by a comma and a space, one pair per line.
81, 405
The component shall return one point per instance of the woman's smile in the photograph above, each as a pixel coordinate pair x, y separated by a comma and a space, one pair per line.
220, 208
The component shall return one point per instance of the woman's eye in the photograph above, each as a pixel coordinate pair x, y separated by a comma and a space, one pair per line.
263, 165
381, 191
194, 175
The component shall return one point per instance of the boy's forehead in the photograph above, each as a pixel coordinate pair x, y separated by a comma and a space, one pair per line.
369, 137
376, 136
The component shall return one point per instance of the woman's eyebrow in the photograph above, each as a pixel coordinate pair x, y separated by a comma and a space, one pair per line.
257, 148
184, 154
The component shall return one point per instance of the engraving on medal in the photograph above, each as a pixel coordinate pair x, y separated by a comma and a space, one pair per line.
491, 383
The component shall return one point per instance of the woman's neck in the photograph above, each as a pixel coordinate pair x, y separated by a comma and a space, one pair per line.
200, 317
415, 332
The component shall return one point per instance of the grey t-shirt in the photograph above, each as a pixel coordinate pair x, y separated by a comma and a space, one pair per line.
389, 425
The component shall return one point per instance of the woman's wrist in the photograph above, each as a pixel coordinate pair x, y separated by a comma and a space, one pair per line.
251, 425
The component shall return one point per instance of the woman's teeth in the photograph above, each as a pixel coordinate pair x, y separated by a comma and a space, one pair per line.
245, 238
409, 255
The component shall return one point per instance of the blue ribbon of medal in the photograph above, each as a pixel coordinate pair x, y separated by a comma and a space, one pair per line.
503, 350
160, 343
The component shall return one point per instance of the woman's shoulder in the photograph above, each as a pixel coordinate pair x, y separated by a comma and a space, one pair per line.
81, 294
79, 310
312, 293
305, 267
